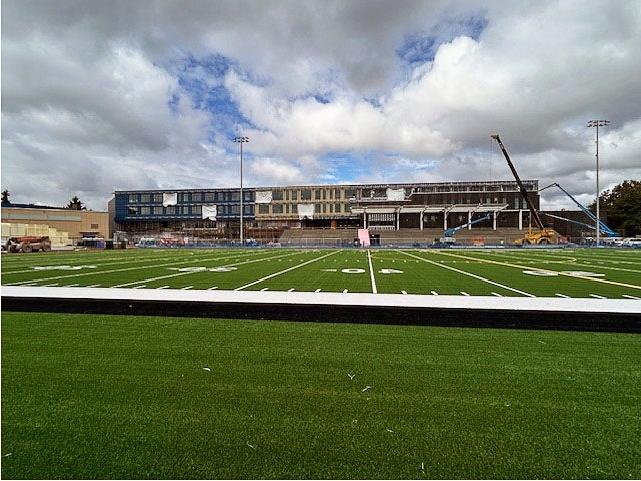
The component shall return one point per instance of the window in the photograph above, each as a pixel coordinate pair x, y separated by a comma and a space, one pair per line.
324, 194
170, 210
331, 208
317, 194
209, 197
157, 210
184, 210
294, 209
263, 208
337, 208
143, 211
235, 196
337, 194
305, 194
145, 198
286, 195
196, 209
183, 198
286, 208
346, 208
196, 196
248, 209
132, 198
277, 195
294, 195
248, 196
317, 208
235, 210
157, 197
277, 209
132, 210
349, 193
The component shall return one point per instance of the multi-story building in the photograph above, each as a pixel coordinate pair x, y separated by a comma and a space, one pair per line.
377, 206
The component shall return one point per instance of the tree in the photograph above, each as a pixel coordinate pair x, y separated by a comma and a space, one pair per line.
622, 207
5, 196
75, 204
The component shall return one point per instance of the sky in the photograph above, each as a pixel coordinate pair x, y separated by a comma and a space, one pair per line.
100, 96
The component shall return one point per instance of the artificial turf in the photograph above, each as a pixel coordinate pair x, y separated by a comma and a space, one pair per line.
611, 273
121, 397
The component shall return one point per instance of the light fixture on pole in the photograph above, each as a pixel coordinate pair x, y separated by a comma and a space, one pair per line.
241, 141
597, 124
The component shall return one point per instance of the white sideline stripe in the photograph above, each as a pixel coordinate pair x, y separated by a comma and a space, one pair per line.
290, 290
186, 288
212, 288
371, 272
553, 304
465, 293
317, 290
163, 287
631, 297
404, 292
562, 295
434, 293
496, 294
262, 279
468, 274
167, 276
596, 296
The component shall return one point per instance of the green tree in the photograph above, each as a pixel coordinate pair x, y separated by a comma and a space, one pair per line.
75, 204
622, 207
5, 196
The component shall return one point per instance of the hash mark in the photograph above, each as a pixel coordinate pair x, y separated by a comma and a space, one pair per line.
317, 290
404, 292
345, 291
631, 297
264, 289
562, 295
464, 293
434, 293
140, 287
290, 290
596, 296
496, 294
163, 287
186, 288
213, 288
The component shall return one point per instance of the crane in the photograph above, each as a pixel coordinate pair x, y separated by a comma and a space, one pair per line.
452, 230
544, 235
604, 228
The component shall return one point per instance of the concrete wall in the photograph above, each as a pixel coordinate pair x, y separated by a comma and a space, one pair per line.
71, 221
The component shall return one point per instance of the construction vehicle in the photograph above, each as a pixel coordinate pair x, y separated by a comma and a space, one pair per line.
541, 236
28, 244
448, 234
602, 227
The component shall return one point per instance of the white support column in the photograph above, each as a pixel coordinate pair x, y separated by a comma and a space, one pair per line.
520, 219
398, 219
422, 214
494, 219
469, 220
445, 220
364, 219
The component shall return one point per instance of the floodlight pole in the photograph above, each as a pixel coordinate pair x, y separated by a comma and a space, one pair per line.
241, 141
597, 124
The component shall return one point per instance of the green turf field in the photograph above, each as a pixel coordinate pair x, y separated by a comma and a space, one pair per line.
120, 397
609, 273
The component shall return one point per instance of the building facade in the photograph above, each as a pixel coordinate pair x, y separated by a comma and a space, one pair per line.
216, 212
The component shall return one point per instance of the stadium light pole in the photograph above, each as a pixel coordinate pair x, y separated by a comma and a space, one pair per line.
241, 141
597, 124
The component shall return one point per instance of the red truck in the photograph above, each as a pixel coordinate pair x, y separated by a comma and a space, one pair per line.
28, 244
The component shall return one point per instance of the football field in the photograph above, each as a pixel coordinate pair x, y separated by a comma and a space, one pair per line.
560, 273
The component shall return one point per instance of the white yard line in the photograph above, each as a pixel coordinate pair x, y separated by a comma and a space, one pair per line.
371, 272
596, 296
186, 288
264, 289
631, 297
496, 294
163, 287
317, 290
404, 292
290, 290
51, 285
465, 293
469, 274
72, 285
94, 285
562, 295
344, 291
138, 287
263, 279
213, 288
434, 293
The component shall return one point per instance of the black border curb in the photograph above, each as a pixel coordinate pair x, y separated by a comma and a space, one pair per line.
418, 316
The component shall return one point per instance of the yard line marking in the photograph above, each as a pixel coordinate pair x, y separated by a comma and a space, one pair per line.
140, 287
469, 274
72, 285
167, 276
560, 273
94, 285
264, 289
263, 279
404, 292
51, 285
213, 288
596, 296
631, 297
464, 293
290, 290
186, 288
345, 291
496, 294
317, 290
163, 287
434, 293
562, 295
371, 272
110, 271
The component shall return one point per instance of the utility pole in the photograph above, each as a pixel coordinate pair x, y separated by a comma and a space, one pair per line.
597, 124
241, 141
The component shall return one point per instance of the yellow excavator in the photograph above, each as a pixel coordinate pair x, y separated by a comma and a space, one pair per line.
543, 235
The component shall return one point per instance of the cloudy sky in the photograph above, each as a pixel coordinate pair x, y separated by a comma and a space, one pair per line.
106, 95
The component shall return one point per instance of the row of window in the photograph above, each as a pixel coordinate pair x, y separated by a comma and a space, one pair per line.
185, 197
336, 208
312, 194
221, 210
